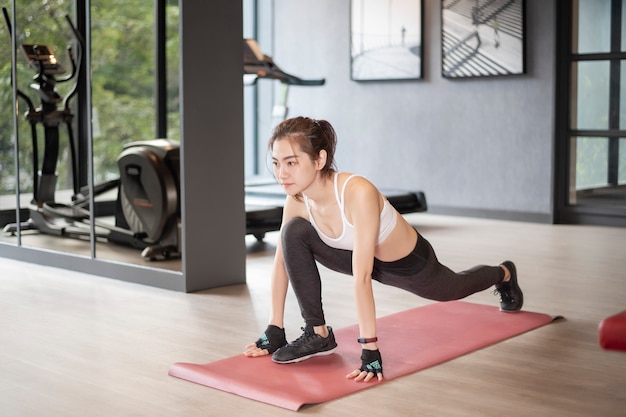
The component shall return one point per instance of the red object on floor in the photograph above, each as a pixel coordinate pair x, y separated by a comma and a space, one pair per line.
612, 332
409, 341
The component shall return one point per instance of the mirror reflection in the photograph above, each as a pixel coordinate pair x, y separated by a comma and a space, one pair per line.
137, 166
44, 86
131, 214
8, 177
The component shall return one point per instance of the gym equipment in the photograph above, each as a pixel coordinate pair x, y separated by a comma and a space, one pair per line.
435, 333
149, 195
147, 214
258, 65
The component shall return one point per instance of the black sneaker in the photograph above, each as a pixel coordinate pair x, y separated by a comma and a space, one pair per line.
511, 296
306, 346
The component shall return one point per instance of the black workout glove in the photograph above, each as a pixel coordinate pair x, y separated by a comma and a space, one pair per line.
371, 361
272, 339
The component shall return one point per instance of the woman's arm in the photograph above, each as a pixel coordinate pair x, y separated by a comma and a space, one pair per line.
363, 205
279, 286
279, 280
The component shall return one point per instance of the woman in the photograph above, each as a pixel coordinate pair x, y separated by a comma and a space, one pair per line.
342, 221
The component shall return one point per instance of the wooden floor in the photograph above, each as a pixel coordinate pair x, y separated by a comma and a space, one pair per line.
79, 345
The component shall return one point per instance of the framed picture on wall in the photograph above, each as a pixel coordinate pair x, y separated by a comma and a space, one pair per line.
385, 40
482, 38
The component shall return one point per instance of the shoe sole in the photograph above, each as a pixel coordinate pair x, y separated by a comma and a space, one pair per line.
303, 358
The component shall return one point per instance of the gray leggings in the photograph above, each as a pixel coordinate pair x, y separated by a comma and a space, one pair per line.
419, 272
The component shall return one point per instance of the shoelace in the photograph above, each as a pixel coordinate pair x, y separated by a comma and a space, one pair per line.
504, 291
304, 337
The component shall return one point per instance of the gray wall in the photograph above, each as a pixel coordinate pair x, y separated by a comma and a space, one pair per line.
479, 147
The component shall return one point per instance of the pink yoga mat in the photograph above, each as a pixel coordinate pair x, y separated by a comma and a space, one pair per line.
431, 335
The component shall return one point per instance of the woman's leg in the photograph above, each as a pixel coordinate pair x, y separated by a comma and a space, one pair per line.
435, 281
302, 247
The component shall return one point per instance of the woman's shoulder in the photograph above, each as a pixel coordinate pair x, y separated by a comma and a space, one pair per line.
359, 191
355, 182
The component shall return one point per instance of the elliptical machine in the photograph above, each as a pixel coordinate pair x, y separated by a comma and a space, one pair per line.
148, 197
147, 214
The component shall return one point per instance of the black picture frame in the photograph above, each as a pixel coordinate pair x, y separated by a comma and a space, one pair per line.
482, 38
386, 38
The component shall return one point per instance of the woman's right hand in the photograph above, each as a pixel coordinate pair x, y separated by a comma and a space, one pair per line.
270, 341
253, 351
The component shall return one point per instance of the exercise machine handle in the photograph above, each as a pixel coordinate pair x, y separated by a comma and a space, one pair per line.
29, 102
259, 65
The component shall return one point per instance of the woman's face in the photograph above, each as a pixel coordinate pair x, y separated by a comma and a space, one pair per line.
293, 169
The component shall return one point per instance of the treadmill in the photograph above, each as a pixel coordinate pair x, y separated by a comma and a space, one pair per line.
264, 198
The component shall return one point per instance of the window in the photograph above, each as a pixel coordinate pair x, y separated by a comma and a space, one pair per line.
598, 105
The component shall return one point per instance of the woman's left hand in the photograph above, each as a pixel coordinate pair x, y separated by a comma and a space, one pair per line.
371, 366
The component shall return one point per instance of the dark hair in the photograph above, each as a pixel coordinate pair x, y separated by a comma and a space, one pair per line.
312, 136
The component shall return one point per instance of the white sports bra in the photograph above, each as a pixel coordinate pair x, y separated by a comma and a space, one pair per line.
388, 219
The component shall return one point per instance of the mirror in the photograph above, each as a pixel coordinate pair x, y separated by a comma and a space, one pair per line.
131, 213
8, 177
139, 216
40, 175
